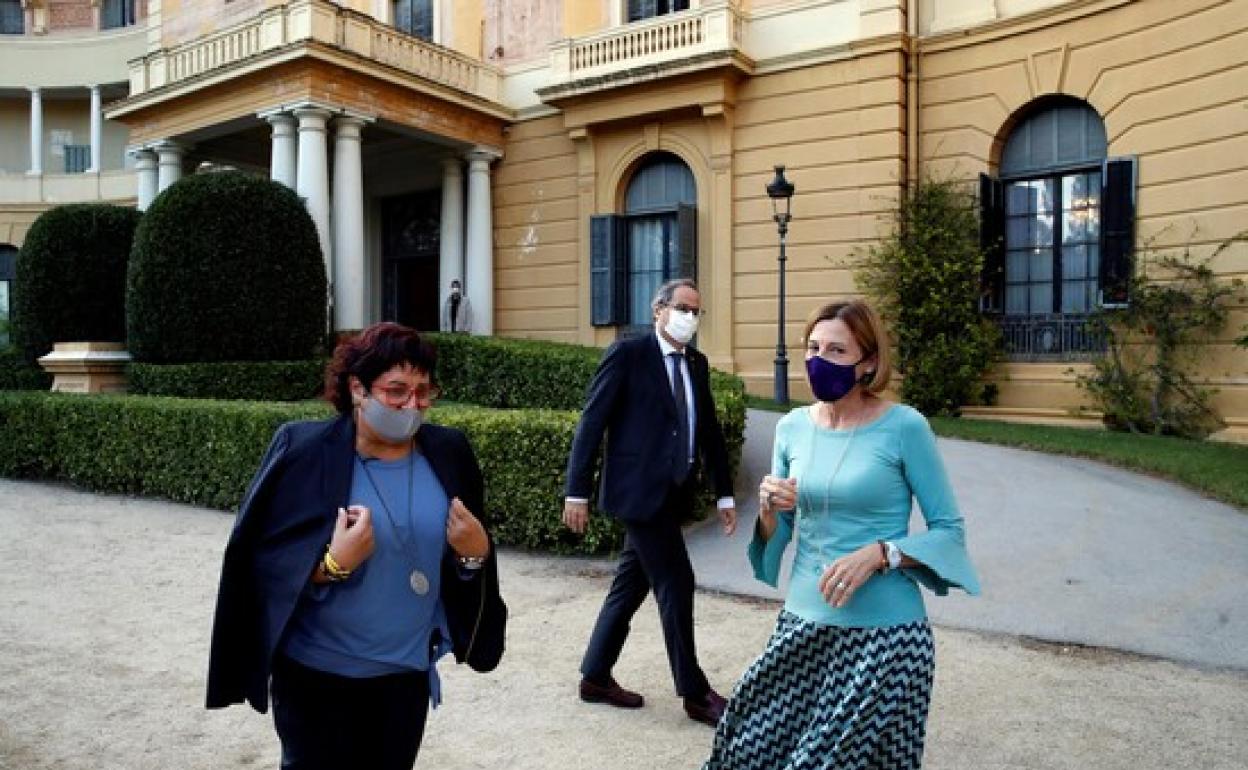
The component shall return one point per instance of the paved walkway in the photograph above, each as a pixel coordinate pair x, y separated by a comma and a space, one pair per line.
1068, 550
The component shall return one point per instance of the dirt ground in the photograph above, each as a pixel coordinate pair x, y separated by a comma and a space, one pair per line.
106, 606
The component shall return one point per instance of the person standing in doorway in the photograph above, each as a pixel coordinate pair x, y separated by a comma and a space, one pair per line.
651, 398
457, 311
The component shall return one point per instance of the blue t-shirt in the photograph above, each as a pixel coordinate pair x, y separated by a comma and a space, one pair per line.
374, 623
855, 487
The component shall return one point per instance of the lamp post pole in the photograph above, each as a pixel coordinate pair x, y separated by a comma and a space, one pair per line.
781, 193
781, 391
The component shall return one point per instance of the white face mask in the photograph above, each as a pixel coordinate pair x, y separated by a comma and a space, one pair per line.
681, 326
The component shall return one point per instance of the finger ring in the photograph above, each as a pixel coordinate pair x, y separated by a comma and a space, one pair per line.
841, 584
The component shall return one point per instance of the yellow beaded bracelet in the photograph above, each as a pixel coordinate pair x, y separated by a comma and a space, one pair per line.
333, 570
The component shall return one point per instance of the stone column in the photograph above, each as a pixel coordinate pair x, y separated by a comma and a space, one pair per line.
145, 172
313, 175
451, 229
348, 224
479, 243
97, 131
36, 131
284, 155
169, 165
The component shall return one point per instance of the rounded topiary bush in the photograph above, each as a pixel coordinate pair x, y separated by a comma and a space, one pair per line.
225, 267
70, 277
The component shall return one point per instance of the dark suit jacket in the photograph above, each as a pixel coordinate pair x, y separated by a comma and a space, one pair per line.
283, 524
630, 402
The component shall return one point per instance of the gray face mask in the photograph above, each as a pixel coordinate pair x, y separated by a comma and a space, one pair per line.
396, 426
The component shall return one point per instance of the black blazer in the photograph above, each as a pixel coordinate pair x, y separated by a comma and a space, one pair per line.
283, 524
630, 401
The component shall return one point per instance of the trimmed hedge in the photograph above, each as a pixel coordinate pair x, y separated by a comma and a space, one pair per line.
16, 373
226, 267
205, 452
514, 373
70, 281
486, 371
231, 380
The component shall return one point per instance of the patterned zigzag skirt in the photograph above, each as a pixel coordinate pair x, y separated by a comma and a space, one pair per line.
830, 698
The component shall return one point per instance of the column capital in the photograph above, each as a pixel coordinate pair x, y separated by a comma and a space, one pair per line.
481, 154
167, 146
35, 90
277, 118
312, 118
347, 126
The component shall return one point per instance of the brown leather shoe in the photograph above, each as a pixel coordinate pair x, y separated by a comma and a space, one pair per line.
708, 709
610, 693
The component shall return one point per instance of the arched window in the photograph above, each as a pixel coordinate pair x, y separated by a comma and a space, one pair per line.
415, 17
1060, 216
652, 241
8, 269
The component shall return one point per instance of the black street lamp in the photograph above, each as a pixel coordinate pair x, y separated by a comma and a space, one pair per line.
781, 193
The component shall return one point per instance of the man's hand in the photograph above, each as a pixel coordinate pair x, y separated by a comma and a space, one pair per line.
729, 518
575, 516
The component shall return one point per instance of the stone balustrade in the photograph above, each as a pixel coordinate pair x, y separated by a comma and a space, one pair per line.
304, 22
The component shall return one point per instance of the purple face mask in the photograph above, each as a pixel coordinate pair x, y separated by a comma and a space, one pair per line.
830, 381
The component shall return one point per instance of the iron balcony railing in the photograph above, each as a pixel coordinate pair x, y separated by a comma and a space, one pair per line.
1054, 337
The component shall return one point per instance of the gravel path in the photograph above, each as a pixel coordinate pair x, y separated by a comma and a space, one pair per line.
106, 608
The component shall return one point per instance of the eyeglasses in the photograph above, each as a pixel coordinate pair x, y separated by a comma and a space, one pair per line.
683, 308
398, 395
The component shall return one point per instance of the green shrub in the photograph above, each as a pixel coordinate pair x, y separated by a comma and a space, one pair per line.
70, 280
233, 380
1141, 384
925, 278
16, 373
512, 373
205, 452
226, 267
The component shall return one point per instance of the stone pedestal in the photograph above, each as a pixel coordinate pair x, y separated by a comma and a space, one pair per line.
87, 367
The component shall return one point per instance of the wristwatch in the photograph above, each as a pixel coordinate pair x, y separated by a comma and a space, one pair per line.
894, 555
471, 562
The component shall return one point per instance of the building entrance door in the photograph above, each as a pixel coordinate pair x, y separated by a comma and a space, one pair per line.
410, 238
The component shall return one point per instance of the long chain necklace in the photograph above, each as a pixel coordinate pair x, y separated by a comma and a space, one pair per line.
809, 508
418, 581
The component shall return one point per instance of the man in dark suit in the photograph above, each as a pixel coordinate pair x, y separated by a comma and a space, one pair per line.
651, 397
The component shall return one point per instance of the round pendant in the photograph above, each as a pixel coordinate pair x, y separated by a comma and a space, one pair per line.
419, 583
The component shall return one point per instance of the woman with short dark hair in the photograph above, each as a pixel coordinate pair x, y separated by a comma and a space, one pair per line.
845, 680
356, 562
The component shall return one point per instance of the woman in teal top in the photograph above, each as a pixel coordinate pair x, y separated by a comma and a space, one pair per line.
845, 680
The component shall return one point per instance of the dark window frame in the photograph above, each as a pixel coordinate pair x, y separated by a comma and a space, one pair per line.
118, 14
613, 299
640, 10
419, 23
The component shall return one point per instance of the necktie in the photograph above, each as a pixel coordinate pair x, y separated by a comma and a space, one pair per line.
680, 464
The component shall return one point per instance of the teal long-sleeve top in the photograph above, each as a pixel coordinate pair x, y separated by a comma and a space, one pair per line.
843, 504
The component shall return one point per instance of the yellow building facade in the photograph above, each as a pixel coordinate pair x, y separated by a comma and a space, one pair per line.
562, 157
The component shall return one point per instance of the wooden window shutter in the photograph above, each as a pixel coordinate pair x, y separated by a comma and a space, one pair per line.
1117, 230
687, 240
992, 242
608, 267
